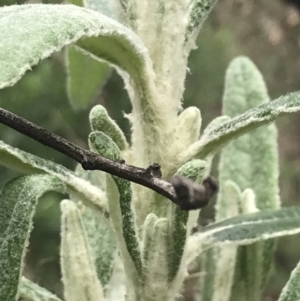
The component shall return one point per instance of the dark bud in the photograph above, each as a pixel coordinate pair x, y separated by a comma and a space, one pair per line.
190, 195
154, 171
88, 163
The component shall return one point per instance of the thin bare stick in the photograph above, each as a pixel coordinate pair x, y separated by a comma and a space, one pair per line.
149, 177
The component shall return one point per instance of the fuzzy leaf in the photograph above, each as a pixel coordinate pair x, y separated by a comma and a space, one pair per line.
148, 239
40, 30
194, 171
17, 205
116, 288
188, 154
78, 270
291, 291
215, 123
188, 128
219, 273
156, 276
250, 161
106, 147
231, 192
32, 292
21, 161
207, 262
101, 121
99, 233
197, 14
131, 273
246, 229
250, 120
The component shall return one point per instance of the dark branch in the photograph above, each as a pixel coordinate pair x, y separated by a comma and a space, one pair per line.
149, 177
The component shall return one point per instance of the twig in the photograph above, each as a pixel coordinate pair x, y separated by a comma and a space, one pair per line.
149, 177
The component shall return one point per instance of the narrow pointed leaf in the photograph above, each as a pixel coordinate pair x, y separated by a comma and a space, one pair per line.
250, 227
187, 129
101, 121
189, 153
131, 273
99, 233
242, 124
291, 291
17, 205
27, 163
250, 161
194, 171
221, 271
246, 229
148, 239
104, 145
156, 276
116, 288
32, 292
78, 269
215, 123
197, 14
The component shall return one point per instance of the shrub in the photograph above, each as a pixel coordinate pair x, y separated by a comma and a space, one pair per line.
121, 240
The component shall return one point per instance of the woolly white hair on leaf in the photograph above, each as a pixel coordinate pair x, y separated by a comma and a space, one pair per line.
78, 270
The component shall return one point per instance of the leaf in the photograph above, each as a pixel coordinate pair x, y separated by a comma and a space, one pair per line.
250, 161
101, 121
33, 292
214, 124
40, 30
246, 229
148, 239
194, 171
291, 291
86, 77
27, 163
99, 233
250, 120
156, 275
220, 272
35, 31
105, 146
197, 13
78, 269
207, 262
17, 205
116, 289
187, 129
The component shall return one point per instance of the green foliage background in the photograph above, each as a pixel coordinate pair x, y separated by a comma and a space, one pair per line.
267, 31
